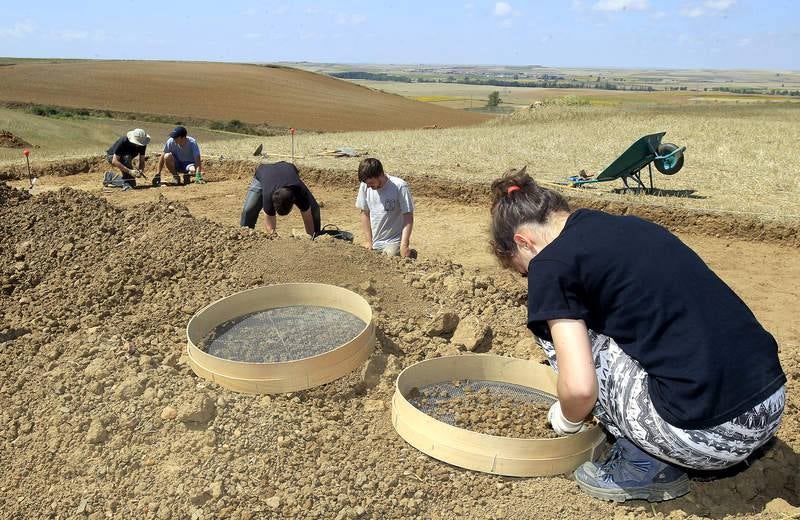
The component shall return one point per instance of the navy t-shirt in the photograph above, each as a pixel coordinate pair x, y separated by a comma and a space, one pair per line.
282, 175
707, 358
123, 147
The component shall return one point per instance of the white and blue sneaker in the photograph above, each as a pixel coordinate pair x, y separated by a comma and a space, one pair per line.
632, 474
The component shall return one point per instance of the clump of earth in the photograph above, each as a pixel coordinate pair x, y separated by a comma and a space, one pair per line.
9, 140
482, 410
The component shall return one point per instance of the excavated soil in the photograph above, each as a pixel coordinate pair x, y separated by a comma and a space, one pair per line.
483, 410
683, 220
9, 140
100, 417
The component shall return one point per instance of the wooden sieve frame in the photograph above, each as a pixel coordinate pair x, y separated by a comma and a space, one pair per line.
478, 451
285, 376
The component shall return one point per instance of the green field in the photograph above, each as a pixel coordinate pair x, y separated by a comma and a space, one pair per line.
77, 137
623, 79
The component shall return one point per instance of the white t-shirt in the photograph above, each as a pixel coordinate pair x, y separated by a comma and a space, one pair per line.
386, 208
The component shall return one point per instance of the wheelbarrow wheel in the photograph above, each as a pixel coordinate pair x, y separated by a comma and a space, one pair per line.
670, 165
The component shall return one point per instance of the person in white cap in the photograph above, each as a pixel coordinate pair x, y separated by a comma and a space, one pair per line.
122, 152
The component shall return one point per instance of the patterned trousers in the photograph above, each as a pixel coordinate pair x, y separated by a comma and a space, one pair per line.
625, 409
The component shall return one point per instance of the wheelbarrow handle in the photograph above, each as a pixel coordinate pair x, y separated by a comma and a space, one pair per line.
673, 152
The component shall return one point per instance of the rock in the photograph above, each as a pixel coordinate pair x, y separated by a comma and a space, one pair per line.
198, 410
368, 287
130, 388
374, 405
274, 502
779, 506
215, 489
200, 498
472, 334
169, 413
97, 433
373, 369
444, 322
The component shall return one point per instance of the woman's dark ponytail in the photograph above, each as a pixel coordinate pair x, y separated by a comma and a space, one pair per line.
518, 200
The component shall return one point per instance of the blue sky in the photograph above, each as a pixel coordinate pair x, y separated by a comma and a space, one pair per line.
720, 34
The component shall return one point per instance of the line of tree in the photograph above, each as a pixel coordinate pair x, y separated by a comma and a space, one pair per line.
471, 80
754, 90
375, 76
550, 82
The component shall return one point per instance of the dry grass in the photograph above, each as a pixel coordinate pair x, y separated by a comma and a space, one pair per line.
65, 138
739, 158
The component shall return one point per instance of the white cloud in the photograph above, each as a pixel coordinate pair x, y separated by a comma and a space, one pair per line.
71, 35
659, 14
350, 19
506, 23
719, 5
252, 36
620, 5
19, 30
502, 9
693, 12
744, 42
709, 7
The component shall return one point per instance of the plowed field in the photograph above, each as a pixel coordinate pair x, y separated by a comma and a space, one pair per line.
278, 96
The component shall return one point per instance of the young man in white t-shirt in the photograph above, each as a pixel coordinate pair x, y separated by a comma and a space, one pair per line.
387, 210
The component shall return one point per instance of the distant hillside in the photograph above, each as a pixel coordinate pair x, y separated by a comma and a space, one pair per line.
279, 96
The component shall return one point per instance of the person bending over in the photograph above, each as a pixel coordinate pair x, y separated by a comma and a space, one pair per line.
124, 150
644, 336
181, 155
275, 188
387, 209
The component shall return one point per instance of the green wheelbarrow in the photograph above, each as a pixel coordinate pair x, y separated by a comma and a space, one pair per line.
647, 151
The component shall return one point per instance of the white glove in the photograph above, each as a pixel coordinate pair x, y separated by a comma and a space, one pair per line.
135, 173
561, 425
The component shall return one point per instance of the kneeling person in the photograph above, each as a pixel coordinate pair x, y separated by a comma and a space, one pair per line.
124, 150
387, 209
181, 155
275, 188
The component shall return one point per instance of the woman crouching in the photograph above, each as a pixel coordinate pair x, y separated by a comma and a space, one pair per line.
644, 336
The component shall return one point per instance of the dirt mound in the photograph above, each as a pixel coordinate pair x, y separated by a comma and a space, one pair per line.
58, 168
277, 96
9, 140
100, 416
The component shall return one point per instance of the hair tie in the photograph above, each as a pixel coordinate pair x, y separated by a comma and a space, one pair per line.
511, 189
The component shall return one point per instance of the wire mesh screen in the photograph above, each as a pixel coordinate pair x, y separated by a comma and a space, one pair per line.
282, 334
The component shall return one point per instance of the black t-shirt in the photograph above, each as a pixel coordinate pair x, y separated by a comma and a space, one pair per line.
282, 175
708, 359
123, 147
